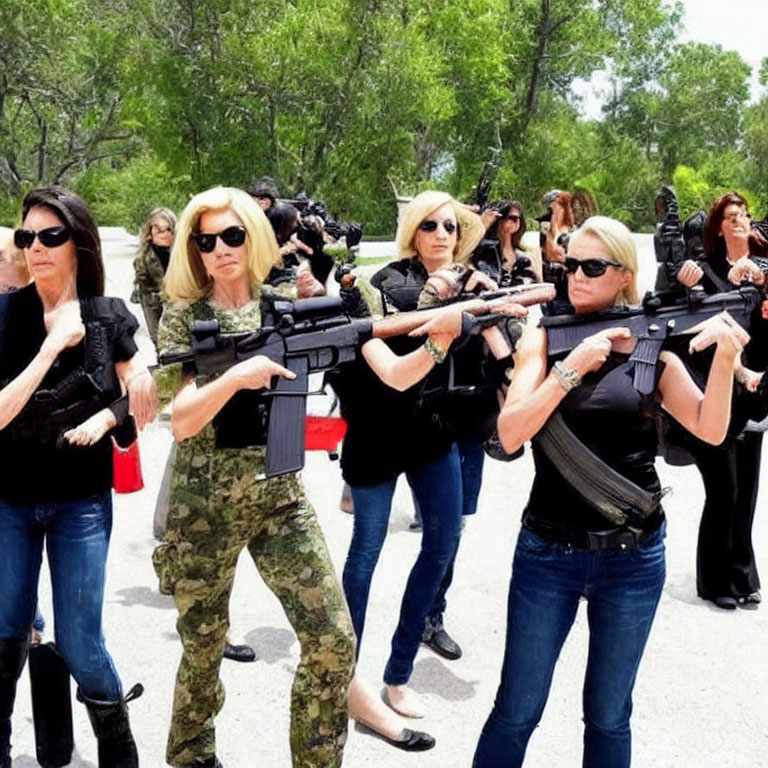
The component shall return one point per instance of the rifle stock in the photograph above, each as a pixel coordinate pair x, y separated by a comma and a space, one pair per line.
405, 322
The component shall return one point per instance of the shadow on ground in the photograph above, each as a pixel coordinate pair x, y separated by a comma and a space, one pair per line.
433, 676
144, 596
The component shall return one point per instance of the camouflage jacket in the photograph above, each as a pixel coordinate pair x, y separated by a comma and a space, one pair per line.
148, 277
173, 335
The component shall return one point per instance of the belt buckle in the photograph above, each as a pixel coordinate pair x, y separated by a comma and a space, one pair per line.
620, 538
629, 538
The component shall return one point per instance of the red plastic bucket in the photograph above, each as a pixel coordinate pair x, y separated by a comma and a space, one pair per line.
323, 433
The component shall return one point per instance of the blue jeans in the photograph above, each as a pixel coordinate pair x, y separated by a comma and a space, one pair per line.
622, 589
472, 459
77, 537
437, 485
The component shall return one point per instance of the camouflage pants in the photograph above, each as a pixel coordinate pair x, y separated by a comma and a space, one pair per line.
197, 565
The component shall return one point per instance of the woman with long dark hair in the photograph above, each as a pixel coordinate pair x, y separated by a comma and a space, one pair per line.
65, 352
726, 571
501, 253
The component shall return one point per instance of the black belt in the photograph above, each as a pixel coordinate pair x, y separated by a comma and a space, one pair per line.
626, 537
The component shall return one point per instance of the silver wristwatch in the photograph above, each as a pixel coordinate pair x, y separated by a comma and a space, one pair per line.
567, 378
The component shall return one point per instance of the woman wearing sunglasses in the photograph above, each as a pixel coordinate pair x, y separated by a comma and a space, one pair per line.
219, 504
726, 570
64, 351
150, 265
501, 254
224, 250
390, 434
567, 549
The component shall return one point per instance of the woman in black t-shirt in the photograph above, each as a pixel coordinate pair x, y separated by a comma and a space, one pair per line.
389, 435
726, 570
65, 352
569, 546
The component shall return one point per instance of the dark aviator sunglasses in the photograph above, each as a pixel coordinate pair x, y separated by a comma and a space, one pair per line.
50, 237
593, 267
231, 236
430, 225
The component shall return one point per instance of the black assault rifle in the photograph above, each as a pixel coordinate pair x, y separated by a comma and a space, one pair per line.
306, 336
661, 316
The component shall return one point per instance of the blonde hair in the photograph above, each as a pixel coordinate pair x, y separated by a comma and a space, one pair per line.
166, 214
621, 247
470, 231
186, 278
12, 258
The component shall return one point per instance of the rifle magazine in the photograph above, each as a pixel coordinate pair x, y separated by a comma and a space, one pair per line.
645, 358
285, 436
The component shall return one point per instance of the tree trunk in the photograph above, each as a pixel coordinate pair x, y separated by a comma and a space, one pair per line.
543, 34
42, 151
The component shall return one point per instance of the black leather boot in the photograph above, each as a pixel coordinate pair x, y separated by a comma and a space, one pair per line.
109, 720
210, 762
13, 655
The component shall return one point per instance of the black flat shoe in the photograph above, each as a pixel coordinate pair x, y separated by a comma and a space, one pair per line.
727, 603
413, 741
409, 741
210, 762
238, 653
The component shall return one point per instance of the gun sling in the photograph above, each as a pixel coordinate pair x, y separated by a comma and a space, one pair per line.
618, 499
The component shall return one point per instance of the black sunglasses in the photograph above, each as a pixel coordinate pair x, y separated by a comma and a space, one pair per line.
50, 237
513, 217
231, 236
590, 267
430, 225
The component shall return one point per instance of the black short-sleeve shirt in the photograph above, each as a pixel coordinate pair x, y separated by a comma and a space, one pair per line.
36, 471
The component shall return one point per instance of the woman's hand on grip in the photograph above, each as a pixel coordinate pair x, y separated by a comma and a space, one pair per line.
92, 429
591, 353
722, 330
257, 372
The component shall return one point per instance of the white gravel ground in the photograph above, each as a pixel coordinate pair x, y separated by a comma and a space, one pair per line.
701, 697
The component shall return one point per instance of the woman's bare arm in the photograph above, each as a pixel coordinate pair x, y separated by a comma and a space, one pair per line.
704, 414
66, 330
194, 407
534, 394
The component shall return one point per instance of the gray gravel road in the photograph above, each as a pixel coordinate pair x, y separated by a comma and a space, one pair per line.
701, 698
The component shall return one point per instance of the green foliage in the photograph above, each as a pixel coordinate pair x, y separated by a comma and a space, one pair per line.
137, 103
124, 196
697, 188
756, 152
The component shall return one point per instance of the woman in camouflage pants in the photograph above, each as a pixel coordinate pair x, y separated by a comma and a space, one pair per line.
223, 252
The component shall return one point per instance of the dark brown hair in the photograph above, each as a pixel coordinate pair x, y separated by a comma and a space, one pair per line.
714, 242
72, 211
504, 209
